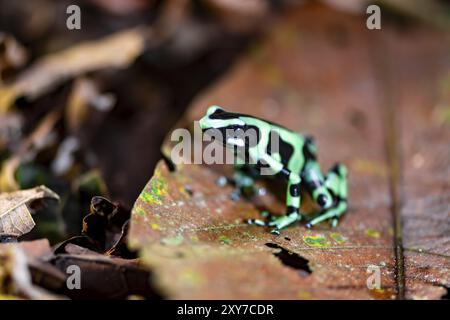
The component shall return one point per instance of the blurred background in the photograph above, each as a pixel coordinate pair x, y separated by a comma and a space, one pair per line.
88, 119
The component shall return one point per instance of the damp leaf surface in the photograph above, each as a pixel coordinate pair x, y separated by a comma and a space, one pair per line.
193, 236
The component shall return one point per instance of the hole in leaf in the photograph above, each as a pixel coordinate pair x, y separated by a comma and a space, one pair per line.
291, 259
447, 295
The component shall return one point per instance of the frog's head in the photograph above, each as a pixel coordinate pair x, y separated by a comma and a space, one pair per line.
233, 129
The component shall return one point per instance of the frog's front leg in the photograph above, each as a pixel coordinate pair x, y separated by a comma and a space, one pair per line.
336, 183
292, 203
292, 196
244, 181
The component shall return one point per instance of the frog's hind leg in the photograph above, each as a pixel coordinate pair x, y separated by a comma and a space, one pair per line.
333, 213
336, 183
293, 205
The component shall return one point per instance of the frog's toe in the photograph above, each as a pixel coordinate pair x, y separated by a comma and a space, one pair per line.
334, 222
284, 221
275, 231
235, 195
332, 214
257, 222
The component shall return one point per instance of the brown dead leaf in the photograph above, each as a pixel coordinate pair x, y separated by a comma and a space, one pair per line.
10, 129
199, 246
104, 277
19, 266
12, 54
425, 154
316, 80
197, 242
27, 149
114, 51
85, 95
15, 217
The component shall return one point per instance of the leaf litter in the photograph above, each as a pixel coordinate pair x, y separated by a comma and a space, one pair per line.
186, 236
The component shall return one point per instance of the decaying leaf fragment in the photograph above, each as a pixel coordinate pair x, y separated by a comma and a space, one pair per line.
105, 230
14, 275
15, 217
84, 96
104, 277
115, 51
12, 54
27, 150
20, 266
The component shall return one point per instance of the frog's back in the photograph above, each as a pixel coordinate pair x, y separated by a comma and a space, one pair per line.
289, 149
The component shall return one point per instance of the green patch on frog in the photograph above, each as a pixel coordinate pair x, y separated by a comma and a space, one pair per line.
173, 241
317, 241
372, 233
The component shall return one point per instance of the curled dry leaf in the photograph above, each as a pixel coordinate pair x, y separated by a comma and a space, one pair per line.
16, 278
15, 217
114, 51
105, 229
104, 277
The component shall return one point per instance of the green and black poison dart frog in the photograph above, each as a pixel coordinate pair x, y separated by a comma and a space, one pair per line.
295, 160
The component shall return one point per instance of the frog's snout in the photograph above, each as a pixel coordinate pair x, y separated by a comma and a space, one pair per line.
203, 123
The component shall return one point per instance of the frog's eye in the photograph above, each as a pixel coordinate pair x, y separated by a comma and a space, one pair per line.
214, 110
